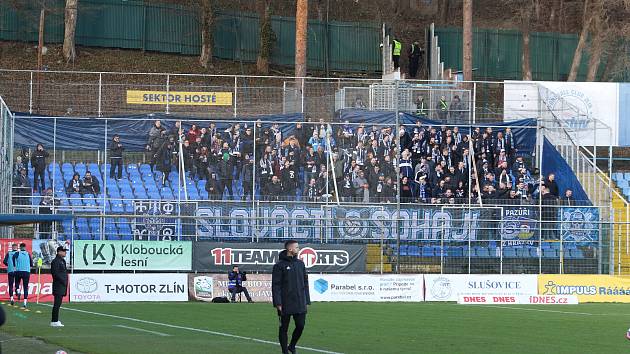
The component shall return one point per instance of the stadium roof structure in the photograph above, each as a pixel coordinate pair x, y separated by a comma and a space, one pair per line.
21, 219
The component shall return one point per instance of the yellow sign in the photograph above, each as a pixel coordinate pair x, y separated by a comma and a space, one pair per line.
180, 98
588, 288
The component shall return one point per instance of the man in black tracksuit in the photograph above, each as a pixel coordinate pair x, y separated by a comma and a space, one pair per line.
38, 161
289, 284
116, 149
59, 274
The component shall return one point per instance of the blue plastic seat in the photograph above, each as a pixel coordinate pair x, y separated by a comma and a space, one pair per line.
626, 176
522, 252
550, 253
428, 251
456, 251
509, 252
616, 176
482, 252
118, 207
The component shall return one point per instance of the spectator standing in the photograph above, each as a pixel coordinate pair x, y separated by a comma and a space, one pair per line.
568, 199
457, 110
38, 161
116, 149
45, 207
213, 187
421, 107
442, 109
22, 187
551, 184
414, 54
164, 158
396, 50
247, 175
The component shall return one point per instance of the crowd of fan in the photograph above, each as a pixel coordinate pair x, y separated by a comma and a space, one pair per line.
359, 163
315, 162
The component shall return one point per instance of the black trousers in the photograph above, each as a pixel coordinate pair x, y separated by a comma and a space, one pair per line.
39, 174
24, 277
240, 289
116, 166
56, 306
300, 322
11, 278
396, 59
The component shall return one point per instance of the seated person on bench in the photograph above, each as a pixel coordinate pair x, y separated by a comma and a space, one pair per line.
235, 284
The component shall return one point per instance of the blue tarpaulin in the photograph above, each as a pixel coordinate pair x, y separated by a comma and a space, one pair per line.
554, 163
88, 133
525, 139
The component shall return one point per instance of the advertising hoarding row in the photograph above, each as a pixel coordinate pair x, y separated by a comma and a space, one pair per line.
462, 288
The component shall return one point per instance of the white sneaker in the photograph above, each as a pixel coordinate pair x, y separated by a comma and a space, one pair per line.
56, 324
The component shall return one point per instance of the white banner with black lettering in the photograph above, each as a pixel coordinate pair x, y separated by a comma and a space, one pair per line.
373, 288
448, 287
128, 287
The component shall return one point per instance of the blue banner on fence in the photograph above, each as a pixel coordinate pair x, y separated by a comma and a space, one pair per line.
579, 225
332, 222
518, 226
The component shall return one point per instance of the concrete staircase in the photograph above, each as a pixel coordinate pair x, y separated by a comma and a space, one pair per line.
374, 259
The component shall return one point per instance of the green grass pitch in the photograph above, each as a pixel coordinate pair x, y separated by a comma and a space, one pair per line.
186, 328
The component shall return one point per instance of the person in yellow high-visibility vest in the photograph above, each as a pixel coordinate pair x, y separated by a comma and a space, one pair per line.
396, 50
442, 110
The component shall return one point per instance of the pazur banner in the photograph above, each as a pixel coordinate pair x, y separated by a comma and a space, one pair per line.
133, 255
588, 288
44, 288
448, 287
260, 257
128, 287
373, 288
179, 98
204, 287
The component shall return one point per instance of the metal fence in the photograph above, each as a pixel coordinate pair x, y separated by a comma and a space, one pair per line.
103, 94
6, 160
450, 234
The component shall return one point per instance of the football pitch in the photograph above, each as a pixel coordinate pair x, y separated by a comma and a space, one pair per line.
331, 328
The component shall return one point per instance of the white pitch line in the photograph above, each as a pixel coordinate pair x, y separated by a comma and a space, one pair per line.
143, 330
539, 310
193, 329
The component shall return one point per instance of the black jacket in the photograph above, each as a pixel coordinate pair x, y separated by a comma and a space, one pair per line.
116, 150
38, 160
289, 285
59, 273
